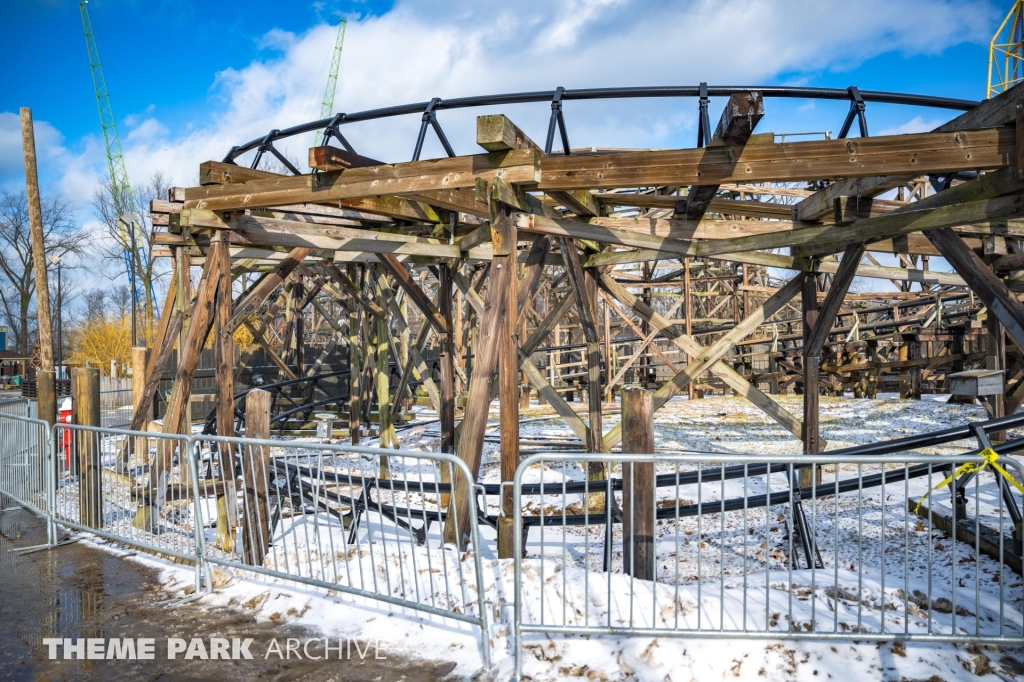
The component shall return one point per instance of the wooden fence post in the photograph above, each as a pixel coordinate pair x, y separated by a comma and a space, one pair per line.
638, 484
86, 404
256, 468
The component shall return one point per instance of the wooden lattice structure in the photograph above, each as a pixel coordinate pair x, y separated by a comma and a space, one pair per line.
522, 270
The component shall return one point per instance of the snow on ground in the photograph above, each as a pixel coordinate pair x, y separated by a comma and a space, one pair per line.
729, 570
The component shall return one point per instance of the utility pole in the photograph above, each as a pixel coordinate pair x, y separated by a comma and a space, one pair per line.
46, 380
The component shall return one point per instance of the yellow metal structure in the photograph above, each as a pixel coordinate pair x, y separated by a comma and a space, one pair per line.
1006, 52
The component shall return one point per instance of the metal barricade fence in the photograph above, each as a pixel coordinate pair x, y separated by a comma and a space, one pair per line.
24, 461
364, 521
128, 486
18, 407
116, 408
737, 551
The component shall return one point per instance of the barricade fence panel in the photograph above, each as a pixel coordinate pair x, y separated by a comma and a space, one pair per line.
116, 407
18, 407
718, 545
130, 486
24, 461
360, 520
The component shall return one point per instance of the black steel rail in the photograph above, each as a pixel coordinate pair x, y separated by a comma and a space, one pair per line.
857, 98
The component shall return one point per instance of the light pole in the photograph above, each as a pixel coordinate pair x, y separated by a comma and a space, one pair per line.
55, 259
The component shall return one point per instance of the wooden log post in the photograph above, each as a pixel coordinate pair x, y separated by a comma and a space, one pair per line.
508, 391
474, 423
224, 352
383, 383
638, 489
256, 522
86, 412
812, 366
354, 370
46, 379
996, 360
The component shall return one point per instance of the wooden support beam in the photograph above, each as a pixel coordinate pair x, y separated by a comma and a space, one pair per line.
983, 282
224, 344
496, 133
812, 367
508, 384
688, 345
638, 489
354, 291
257, 335
742, 114
916, 217
354, 183
446, 352
585, 307
188, 354
416, 295
918, 154
87, 451
840, 285
715, 352
266, 286
255, 473
474, 423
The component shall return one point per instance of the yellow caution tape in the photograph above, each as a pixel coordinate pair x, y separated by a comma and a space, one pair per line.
990, 456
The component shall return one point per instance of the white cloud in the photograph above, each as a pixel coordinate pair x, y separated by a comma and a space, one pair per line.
914, 125
420, 49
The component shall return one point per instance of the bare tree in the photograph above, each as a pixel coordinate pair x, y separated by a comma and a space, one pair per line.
61, 237
106, 204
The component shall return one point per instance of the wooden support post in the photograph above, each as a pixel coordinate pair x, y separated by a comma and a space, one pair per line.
508, 393
996, 359
474, 423
447, 360
383, 385
508, 378
638, 491
584, 289
86, 404
688, 311
140, 360
47, 393
812, 367
256, 467
354, 371
224, 352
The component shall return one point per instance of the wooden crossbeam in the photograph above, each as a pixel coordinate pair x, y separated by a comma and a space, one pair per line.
416, 295
693, 349
713, 353
913, 218
266, 286
982, 281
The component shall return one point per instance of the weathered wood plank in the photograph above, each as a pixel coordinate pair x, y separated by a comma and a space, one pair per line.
354, 183
785, 162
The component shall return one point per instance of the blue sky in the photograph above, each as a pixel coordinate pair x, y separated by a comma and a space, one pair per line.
188, 80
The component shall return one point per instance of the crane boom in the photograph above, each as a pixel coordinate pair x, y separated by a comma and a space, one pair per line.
327, 108
120, 188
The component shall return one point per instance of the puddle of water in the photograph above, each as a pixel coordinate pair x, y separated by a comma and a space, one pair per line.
79, 591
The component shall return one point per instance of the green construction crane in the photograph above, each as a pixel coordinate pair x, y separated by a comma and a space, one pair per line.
327, 109
121, 191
